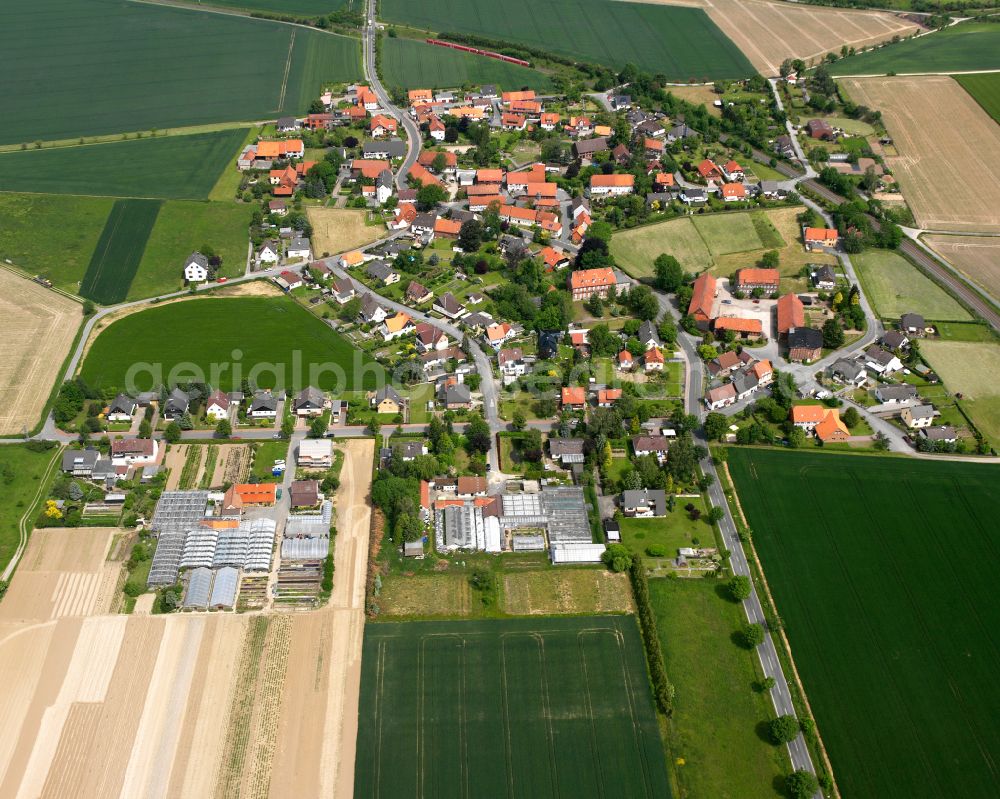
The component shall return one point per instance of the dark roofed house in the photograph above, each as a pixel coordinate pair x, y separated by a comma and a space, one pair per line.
587, 148
651, 445
566, 450
309, 402
681, 132
895, 340
304, 493
944, 432
823, 278
121, 408
448, 306
456, 397
820, 129
644, 502
804, 344
548, 344
176, 405
912, 324
80, 462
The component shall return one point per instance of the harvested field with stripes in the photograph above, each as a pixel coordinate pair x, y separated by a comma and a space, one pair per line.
37, 327
976, 257
185, 704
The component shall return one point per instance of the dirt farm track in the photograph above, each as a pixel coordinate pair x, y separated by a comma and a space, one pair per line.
952, 183
98, 704
37, 327
768, 32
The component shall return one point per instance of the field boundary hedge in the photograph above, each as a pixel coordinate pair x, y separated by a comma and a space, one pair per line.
663, 689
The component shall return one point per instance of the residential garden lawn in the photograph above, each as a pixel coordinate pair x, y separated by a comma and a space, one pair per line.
985, 90
895, 286
272, 335
52, 235
713, 729
726, 233
969, 46
524, 400
682, 43
566, 700
673, 531
22, 474
267, 453
79, 70
968, 368
964, 331
337, 230
854, 126
613, 476
419, 397
182, 227
411, 64
119, 251
887, 589
168, 167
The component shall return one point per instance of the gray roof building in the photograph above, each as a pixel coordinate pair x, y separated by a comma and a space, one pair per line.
390, 148
649, 499
566, 450
263, 400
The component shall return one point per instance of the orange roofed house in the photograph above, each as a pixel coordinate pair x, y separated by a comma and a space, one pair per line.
246, 495
586, 282
611, 185
816, 238
574, 397
701, 307
753, 278
744, 328
791, 313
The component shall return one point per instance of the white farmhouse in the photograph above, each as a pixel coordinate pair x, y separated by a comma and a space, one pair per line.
196, 268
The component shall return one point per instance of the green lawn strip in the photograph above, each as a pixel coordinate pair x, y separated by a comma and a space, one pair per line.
964, 331
969, 46
182, 227
271, 336
985, 90
52, 235
23, 473
682, 43
873, 556
119, 250
566, 700
895, 286
228, 184
167, 167
728, 233
111, 67
717, 710
770, 238
410, 64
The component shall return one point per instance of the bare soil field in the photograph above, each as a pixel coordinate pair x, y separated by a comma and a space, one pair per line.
768, 33
978, 258
37, 327
950, 182
339, 230
232, 464
566, 591
174, 461
192, 704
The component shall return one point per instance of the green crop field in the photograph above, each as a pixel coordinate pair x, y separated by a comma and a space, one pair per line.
168, 167
182, 227
968, 46
279, 344
682, 43
304, 7
895, 286
52, 235
21, 473
119, 250
985, 90
884, 573
514, 707
412, 64
716, 710
107, 66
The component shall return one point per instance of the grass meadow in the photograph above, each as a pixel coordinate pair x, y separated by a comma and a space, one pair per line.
884, 573
102, 67
682, 43
52, 235
968, 367
411, 64
304, 7
182, 227
985, 90
895, 286
530, 707
21, 472
119, 250
968, 46
204, 332
716, 710
166, 167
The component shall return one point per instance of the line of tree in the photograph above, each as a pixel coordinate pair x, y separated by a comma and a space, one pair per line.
663, 689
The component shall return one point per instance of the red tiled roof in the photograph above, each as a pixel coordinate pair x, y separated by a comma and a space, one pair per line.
703, 296
574, 395
739, 324
791, 313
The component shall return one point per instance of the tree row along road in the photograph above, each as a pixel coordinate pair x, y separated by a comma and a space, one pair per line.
943, 274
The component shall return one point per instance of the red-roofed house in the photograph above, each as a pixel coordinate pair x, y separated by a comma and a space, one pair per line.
662, 181
703, 300
653, 360
611, 185
513, 121
754, 278
744, 328
574, 397
420, 173
733, 171
606, 397
586, 282
447, 228
381, 125
625, 360
733, 192
709, 171
816, 238
791, 313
